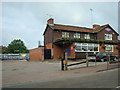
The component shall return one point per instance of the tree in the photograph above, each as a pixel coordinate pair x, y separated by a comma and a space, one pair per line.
17, 46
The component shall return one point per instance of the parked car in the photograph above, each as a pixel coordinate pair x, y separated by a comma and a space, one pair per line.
27, 57
92, 57
0, 57
102, 56
4, 57
21, 57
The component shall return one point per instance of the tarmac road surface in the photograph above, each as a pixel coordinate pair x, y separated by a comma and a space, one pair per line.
23, 74
103, 79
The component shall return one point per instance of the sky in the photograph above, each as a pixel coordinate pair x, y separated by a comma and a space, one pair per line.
27, 20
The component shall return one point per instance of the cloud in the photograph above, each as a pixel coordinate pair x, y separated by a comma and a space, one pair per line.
27, 20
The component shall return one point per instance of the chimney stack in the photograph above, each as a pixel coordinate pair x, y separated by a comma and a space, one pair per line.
96, 26
50, 21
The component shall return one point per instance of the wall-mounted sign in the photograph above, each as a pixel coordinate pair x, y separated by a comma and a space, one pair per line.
108, 29
68, 51
42, 50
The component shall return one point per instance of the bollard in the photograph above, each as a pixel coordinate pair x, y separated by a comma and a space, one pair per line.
65, 65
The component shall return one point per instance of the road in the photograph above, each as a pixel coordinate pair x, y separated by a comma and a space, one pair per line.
102, 79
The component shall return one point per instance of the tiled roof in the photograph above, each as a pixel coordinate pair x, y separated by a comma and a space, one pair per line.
76, 28
100, 28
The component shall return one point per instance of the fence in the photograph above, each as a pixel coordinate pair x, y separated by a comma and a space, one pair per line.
14, 56
89, 58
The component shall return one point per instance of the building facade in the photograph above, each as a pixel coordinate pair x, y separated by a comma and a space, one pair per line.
76, 41
3, 49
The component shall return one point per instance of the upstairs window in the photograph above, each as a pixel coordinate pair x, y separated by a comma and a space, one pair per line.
76, 35
87, 36
65, 34
108, 36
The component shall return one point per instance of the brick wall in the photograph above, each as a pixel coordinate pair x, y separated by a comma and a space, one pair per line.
48, 36
57, 34
48, 46
57, 52
36, 54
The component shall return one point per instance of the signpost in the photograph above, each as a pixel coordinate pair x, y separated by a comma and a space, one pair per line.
62, 65
108, 60
95, 59
65, 61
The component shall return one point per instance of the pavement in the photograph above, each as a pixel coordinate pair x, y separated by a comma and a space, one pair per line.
20, 72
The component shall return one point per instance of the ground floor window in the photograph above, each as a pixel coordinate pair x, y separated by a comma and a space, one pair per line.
86, 47
109, 48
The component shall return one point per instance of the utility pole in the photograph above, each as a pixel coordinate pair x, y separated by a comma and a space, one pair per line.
91, 16
39, 44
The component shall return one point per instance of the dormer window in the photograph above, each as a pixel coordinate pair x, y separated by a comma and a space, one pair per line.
65, 34
87, 36
76, 35
108, 36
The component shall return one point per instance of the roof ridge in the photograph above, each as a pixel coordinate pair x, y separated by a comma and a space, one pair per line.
102, 26
74, 26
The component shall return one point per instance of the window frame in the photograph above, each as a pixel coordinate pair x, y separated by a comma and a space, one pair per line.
109, 46
87, 36
87, 45
76, 35
106, 37
65, 34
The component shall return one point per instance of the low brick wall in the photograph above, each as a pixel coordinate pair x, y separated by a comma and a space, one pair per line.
37, 54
